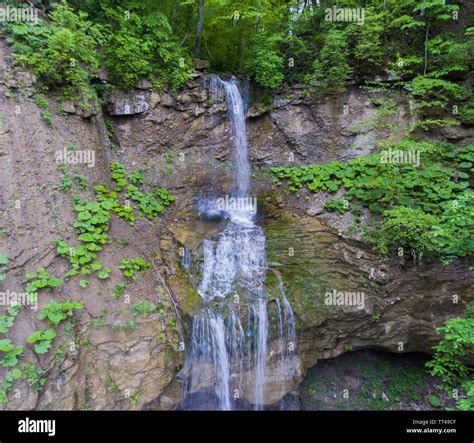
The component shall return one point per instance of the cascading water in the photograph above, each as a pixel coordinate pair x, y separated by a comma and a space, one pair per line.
230, 336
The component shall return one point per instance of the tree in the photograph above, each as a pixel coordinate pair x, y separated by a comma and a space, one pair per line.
197, 46
331, 69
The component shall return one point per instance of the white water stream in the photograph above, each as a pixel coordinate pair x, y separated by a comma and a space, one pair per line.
230, 336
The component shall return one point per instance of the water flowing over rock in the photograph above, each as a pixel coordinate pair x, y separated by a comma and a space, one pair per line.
230, 334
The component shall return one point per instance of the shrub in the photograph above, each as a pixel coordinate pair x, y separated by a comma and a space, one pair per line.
265, 64
457, 343
62, 53
331, 70
143, 45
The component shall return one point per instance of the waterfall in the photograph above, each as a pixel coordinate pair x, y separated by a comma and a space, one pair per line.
236, 115
228, 360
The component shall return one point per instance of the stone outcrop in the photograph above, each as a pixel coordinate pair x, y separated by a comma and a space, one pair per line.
123, 361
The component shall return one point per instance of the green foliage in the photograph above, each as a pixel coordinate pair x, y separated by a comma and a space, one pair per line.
62, 52
118, 291
433, 97
92, 224
467, 404
426, 208
3, 264
457, 343
140, 45
434, 401
42, 340
7, 321
407, 227
84, 283
144, 308
65, 184
112, 385
104, 273
47, 117
82, 181
265, 64
150, 204
7, 384
56, 312
34, 375
338, 205
9, 353
126, 327
331, 69
40, 280
41, 101
272, 42
132, 267
453, 234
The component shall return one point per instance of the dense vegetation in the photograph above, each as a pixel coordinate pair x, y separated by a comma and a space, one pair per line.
425, 209
424, 47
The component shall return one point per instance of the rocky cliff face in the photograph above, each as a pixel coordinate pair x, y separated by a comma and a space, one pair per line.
112, 358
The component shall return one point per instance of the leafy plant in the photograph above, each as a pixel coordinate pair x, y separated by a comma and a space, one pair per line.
62, 52
56, 312
42, 340
6, 322
118, 291
10, 353
331, 69
92, 223
84, 283
338, 205
144, 308
41, 101
65, 184
143, 45
132, 267
41, 280
82, 181
104, 273
150, 205
434, 401
7, 384
34, 375
3, 264
454, 347
265, 65
467, 404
